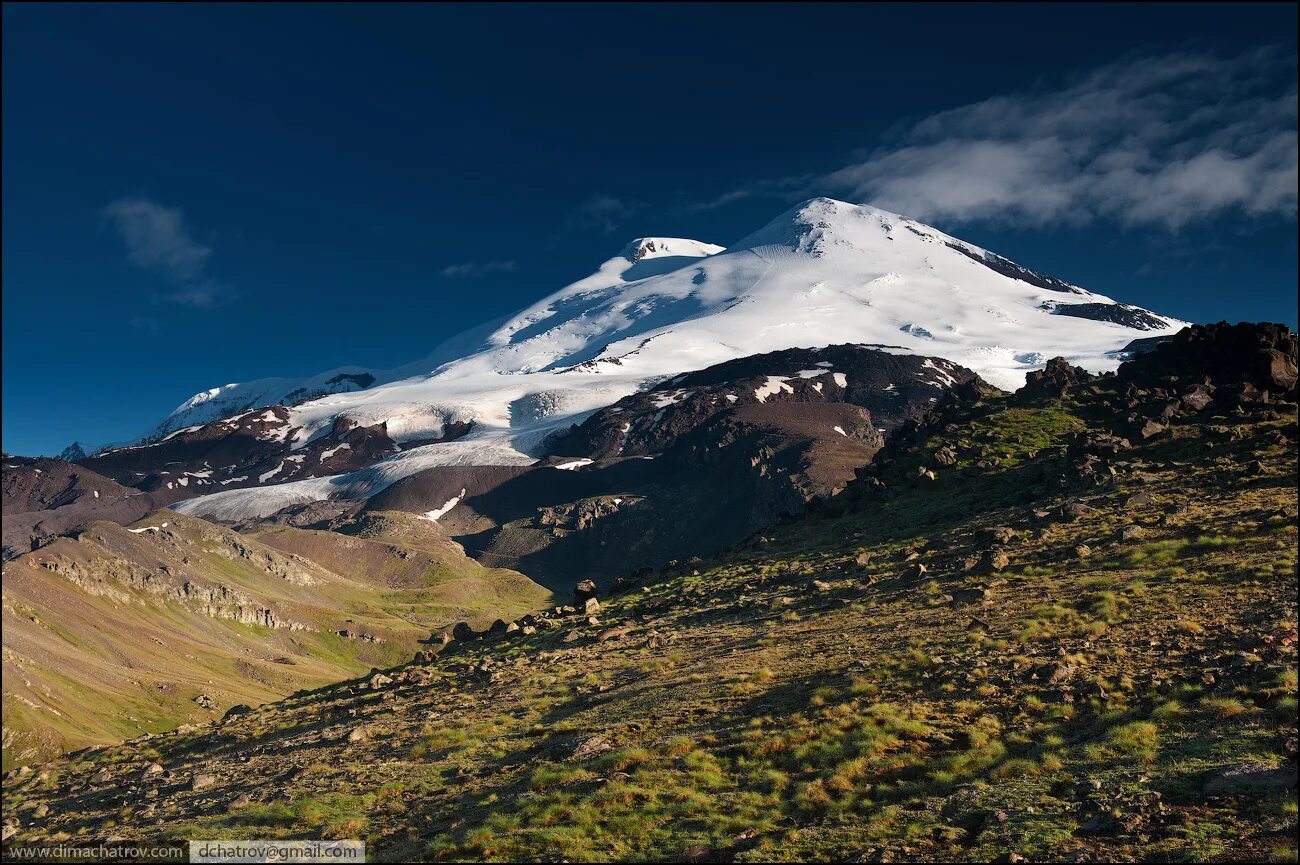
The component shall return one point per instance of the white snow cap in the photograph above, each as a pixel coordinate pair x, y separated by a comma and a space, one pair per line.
824, 272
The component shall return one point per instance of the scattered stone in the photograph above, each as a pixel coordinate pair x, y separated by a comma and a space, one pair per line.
1149, 429
1132, 533
1075, 510
995, 560
236, 711
1057, 673
582, 591
998, 535
1250, 777
615, 633
202, 782
963, 597
591, 606
589, 747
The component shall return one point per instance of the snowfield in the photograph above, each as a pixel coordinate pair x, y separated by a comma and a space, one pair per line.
825, 272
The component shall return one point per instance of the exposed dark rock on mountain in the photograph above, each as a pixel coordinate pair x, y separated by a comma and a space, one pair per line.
43, 499
1261, 356
1141, 346
1006, 267
736, 447
249, 449
360, 381
1116, 313
889, 386
732, 475
72, 453
1203, 370
1053, 380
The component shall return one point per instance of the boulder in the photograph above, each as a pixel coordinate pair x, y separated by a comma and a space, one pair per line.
582, 591
995, 560
1250, 777
236, 711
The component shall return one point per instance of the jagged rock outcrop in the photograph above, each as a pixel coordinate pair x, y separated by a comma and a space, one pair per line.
1053, 380
1249, 358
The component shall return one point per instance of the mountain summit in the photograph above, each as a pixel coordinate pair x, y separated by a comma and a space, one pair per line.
825, 272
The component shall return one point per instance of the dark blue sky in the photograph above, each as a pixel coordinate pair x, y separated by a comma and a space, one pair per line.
196, 194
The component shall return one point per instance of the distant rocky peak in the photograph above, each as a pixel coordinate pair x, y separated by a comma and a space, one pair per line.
72, 453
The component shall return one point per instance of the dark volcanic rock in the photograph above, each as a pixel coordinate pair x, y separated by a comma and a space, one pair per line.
736, 446
1260, 355
43, 499
1054, 379
1116, 313
72, 453
241, 451
1006, 267
890, 387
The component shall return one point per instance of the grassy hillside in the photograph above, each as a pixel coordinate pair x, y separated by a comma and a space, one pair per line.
130, 630
1019, 639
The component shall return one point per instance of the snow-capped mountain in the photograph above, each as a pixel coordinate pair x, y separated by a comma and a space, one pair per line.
825, 272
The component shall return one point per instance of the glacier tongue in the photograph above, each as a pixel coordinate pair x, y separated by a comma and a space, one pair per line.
825, 272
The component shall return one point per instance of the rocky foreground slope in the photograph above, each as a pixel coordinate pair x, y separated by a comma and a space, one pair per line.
1058, 625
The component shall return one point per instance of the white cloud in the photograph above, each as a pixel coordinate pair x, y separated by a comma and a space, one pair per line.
604, 212
1161, 141
157, 239
1158, 141
475, 269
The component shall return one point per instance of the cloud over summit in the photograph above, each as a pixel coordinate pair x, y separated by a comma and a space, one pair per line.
1158, 141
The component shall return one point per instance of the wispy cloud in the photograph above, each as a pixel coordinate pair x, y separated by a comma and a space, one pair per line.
475, 269
782, 187
602, 212
158, 240
1162, 141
